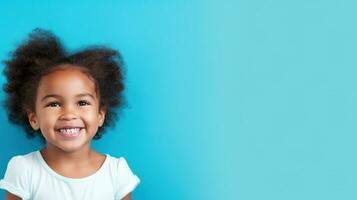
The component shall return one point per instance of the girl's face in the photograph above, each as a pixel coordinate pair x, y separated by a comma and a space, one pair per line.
67, 110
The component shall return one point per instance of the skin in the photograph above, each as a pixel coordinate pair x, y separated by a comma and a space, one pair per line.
68, 108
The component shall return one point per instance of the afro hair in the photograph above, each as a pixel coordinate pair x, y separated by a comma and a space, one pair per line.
40, 54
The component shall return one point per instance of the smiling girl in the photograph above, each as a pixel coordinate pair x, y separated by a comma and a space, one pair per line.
67, 100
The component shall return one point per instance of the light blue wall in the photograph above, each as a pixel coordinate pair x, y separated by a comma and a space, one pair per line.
228, 99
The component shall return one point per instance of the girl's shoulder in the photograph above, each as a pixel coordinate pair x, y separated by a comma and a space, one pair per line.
122, 175
20, 161
17, 179
22, 165
118, 165
116, 161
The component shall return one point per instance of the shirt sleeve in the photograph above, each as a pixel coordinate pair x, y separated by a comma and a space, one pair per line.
16, 180
127, 181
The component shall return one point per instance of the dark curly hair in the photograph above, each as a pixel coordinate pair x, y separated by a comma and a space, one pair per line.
40, 54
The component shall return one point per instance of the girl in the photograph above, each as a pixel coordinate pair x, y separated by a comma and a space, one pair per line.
67, 100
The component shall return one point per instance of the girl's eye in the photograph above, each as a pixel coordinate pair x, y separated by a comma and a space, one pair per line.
80, 103
83, 103
53, 104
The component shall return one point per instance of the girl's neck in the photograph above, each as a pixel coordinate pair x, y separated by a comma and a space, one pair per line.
53, 154
77, 164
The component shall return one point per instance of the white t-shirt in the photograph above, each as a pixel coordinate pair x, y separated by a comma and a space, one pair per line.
29, 177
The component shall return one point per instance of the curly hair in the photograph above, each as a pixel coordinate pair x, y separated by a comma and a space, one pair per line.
40, 54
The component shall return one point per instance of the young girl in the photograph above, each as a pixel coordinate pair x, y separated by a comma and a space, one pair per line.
67, 100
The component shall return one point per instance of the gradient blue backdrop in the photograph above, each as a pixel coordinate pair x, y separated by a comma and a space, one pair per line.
228, 99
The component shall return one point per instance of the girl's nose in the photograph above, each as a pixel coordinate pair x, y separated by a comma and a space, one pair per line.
68, 117
68, 114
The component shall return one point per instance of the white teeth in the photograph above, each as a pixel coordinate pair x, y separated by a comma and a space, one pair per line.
69, 130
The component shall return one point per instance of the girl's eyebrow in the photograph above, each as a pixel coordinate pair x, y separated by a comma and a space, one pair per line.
59, 96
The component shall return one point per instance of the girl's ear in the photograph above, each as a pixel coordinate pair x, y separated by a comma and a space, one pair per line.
101, 116
33, 120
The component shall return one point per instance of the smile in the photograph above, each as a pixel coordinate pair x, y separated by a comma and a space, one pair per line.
69, 133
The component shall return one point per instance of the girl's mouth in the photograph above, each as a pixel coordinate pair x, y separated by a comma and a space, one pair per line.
69, 133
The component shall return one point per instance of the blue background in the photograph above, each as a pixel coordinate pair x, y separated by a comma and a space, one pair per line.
228, 99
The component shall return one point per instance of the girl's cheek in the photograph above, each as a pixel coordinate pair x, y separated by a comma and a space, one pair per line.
90, 115
49, 112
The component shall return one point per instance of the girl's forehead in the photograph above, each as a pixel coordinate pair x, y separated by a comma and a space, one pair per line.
66, 82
